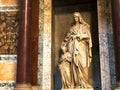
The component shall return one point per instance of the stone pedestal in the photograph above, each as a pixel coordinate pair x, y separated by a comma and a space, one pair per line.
117, 84
23, 87
79, 89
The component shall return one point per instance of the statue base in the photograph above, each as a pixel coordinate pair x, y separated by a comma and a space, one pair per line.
79, 89
23, 87
117, 86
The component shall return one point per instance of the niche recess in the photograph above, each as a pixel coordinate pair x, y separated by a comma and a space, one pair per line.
62, 18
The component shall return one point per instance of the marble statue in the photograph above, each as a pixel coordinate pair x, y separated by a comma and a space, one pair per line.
76, 57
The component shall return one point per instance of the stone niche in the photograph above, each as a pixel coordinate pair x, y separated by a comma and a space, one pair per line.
62, 20
56, 17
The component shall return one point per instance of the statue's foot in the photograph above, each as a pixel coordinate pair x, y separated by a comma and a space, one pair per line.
88, 86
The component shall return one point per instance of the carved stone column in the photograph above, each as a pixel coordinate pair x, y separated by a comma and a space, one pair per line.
23, 64
116, 28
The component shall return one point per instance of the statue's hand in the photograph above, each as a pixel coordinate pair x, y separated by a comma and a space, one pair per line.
78, 38
73, 36
61, 60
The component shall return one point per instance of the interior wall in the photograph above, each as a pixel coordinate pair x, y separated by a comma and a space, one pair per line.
62, 19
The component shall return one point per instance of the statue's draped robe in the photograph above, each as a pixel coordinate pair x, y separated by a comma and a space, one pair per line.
78, 43
65, 70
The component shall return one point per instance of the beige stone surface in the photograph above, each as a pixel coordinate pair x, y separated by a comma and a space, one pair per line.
47, 69
9, 2
7, 71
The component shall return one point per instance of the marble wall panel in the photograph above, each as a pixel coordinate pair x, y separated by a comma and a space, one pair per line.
44, 57
40, 44
7, 71
9, 16
9, 2
47, 62
106, 45
7, 85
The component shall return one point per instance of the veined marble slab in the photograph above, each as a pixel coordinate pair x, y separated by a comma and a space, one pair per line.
7, 85
8, 58
9, 8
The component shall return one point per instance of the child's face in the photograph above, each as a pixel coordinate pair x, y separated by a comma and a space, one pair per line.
64, 49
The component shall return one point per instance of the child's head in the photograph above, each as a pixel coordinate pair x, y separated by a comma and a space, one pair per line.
64, 49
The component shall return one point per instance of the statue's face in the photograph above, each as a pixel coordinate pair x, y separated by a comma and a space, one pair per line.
76, 18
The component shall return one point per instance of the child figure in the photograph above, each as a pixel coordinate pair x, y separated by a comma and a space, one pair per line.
65, 69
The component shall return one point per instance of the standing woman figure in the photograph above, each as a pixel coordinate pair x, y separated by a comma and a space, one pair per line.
78, 43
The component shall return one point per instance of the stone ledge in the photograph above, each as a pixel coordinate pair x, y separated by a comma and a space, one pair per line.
35, 87
23, 87
117, 89
78, 89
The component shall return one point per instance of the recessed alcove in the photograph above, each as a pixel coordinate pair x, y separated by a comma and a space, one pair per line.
55, 19
62, 14
51, 20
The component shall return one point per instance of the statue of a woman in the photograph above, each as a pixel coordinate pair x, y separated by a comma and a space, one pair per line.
77, 44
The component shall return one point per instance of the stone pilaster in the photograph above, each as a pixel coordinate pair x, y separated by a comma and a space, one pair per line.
45, 42
23, 63
116, 29
106, 44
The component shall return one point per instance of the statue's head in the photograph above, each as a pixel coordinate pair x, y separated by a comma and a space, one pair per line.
77, 17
